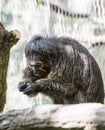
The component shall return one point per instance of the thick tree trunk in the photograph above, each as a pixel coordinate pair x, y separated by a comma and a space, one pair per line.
7, 40
55, 117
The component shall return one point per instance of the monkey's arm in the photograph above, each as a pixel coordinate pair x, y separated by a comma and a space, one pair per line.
50, 87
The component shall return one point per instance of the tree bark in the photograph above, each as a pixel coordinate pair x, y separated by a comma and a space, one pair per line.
90, 116
7, 40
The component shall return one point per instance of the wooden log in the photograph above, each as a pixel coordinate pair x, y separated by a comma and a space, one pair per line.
7, 40
89, 116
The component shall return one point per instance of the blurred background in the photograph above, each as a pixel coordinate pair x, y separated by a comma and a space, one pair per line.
83, 20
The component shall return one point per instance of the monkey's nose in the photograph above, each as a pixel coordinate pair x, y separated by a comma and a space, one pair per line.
36, 72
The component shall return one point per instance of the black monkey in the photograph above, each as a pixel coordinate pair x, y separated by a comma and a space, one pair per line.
63, 69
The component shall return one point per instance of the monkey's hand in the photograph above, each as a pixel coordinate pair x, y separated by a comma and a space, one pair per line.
27, 88
49, 87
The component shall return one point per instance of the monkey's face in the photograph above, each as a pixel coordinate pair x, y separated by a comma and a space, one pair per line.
40, 67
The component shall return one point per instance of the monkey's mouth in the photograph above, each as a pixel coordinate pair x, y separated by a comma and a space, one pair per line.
39, 74
36, 77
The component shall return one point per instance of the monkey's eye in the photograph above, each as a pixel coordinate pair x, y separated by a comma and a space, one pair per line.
39, 64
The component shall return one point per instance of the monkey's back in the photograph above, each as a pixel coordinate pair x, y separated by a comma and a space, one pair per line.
83, 72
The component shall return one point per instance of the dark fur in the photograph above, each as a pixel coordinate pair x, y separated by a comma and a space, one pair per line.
71, 73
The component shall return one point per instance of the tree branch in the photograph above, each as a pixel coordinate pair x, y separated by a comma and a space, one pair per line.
7, 40
53, 117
